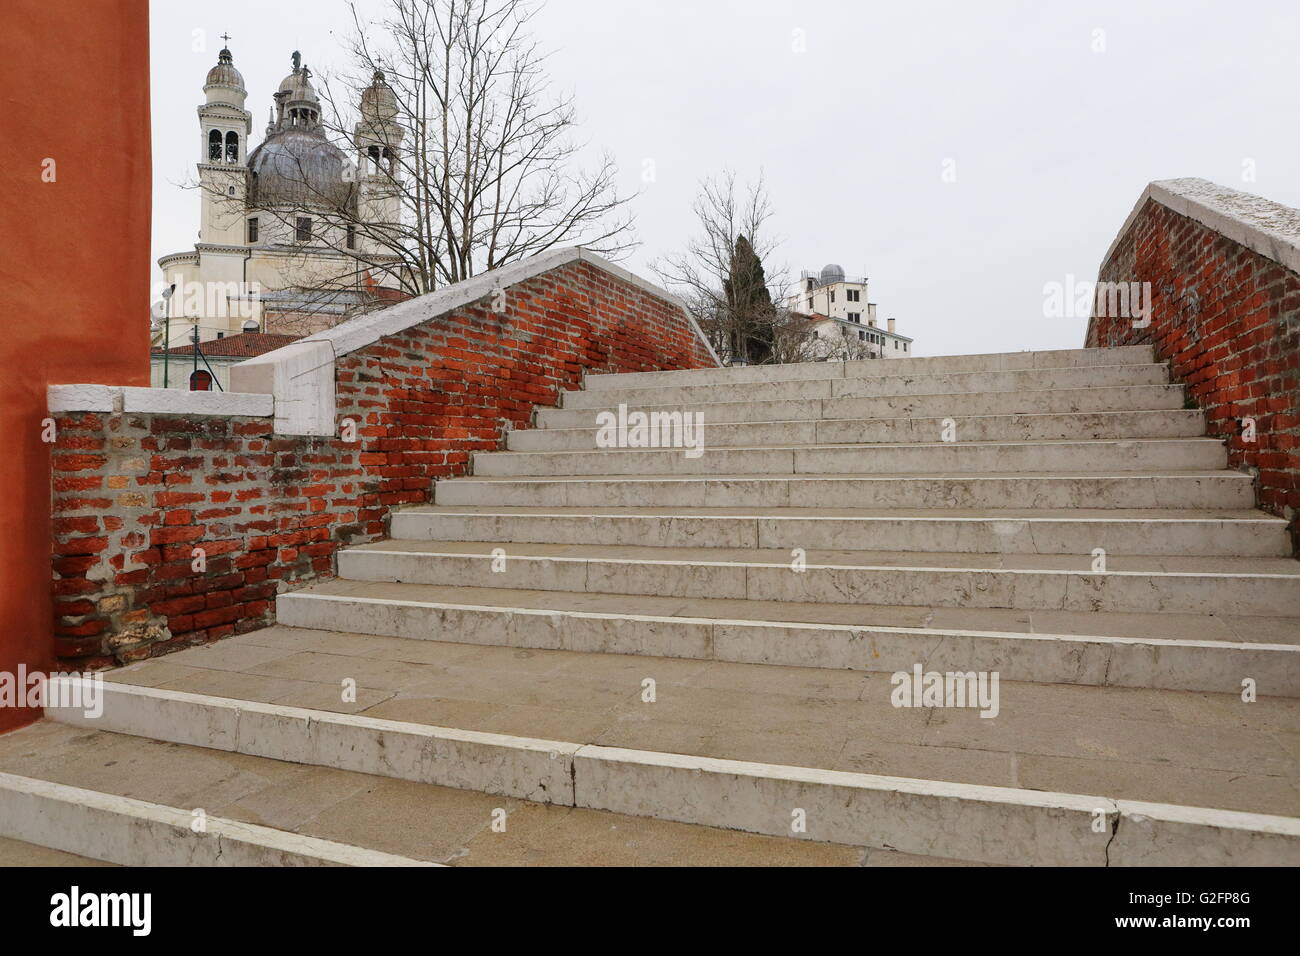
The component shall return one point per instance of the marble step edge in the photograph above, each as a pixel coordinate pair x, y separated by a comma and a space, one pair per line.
921, 367
955, 383
1191, 664
713, 409
1194, 415
928, 817
131, 832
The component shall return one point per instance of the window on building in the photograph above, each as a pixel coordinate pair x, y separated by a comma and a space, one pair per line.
303, 231
862, 336
810, 305
200, 381
232, 147
855, 316
252, 229
352, 236
832, 295
214, 146
854, 295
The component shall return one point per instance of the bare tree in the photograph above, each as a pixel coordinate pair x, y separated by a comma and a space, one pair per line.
725, 278
793, 339
842, 347
487, 172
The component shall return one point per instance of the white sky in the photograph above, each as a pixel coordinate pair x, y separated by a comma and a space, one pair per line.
1052, 142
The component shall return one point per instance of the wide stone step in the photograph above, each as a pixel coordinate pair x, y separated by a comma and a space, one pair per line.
356, 818
1137, 454
1029, 402
1052, 775
1196, 585
1174, 651
892, 383
1021, 531
131, 832
1079, 489
673, 429
929, 365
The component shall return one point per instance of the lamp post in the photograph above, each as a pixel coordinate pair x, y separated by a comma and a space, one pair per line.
167, 330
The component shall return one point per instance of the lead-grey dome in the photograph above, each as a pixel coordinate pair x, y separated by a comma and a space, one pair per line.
297, 88
300, 166
832, 273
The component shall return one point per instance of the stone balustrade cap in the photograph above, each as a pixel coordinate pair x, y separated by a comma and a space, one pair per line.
1261, 225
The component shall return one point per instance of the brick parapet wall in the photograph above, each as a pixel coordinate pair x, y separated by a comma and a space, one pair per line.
1227, 319
134, 493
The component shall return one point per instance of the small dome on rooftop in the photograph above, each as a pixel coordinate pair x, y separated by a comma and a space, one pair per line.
378, 102
225, 84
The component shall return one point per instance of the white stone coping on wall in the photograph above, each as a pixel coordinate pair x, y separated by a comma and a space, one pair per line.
164, 401
1261, 225
301, 374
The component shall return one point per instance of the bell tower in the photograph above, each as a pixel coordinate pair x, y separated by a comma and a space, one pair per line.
224, 127
378, 139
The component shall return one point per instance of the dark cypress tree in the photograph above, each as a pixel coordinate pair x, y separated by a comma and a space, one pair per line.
749, 304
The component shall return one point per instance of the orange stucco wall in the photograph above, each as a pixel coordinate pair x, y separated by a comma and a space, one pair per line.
74, 262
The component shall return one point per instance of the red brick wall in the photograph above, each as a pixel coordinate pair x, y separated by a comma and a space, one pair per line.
134, 494
1228, 321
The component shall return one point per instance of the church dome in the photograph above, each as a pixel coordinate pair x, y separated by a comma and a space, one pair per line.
296, 88
832, 273
299, 166
378, 102
225, 83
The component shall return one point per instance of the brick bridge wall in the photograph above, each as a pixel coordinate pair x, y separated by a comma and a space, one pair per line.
1225, 315
135, 492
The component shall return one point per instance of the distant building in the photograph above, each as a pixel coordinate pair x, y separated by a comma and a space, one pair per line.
178, 367
282, 218
842, 318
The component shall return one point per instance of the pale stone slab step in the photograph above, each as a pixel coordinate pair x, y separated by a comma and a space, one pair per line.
1173, 651
386, 817
133, 832
867, 459
707, 750
1060, 531
890, 383
667, 428
16, 853
928, 365
1187, 584
1080, 489
1204, 749
1026, 402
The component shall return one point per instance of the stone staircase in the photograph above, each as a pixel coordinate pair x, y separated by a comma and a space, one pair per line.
639, 655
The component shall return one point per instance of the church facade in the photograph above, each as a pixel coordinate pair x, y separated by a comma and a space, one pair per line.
294, 234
